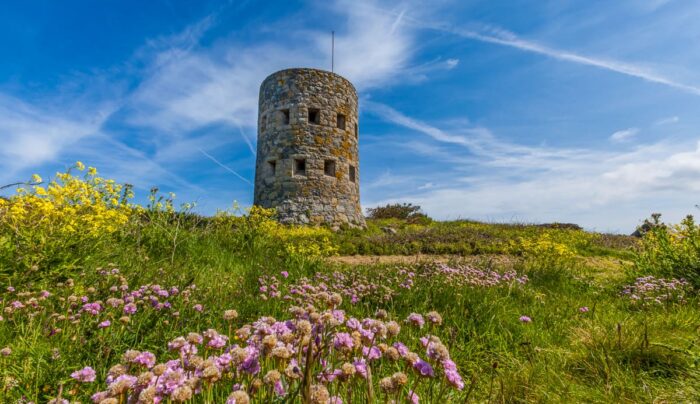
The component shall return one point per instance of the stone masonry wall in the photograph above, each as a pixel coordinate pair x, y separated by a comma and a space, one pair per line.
306, 160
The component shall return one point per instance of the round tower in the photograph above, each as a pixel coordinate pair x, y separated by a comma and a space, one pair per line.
307, 164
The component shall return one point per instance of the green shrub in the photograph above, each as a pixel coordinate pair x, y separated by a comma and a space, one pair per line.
403, 211
670, 250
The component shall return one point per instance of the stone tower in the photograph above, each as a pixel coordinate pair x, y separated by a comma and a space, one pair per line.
307, 159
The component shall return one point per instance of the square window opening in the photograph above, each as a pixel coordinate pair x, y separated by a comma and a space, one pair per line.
299, 166
285, 116
272, 165
329, 168
340, 121
314, 116
352, 174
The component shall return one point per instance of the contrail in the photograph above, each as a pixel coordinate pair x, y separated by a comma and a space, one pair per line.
511, 40
505, 38
210, 157
247, 140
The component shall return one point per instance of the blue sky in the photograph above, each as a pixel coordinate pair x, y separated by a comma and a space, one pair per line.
530, 111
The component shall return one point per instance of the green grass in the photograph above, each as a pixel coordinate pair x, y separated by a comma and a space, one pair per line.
562, 355
464, 237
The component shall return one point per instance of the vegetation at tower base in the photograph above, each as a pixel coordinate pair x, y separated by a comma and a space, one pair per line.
165, 304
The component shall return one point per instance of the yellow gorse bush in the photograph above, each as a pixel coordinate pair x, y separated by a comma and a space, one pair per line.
544, 251
298, 242
40, 220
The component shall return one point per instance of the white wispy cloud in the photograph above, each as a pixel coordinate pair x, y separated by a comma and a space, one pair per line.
33, 135
187, 95
624, 135
499, 180
499, 36
388, 179
189, 87
667, 121
480, 142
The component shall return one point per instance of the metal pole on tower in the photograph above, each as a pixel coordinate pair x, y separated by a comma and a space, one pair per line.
332, 51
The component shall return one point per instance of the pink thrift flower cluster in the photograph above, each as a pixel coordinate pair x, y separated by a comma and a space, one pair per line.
84, 375
271, 360
113, 301
383, 286
465, 275
651, 290
352, 286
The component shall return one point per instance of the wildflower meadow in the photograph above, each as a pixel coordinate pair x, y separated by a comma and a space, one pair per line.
107, 301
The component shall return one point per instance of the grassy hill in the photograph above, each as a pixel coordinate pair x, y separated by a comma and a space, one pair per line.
159, 302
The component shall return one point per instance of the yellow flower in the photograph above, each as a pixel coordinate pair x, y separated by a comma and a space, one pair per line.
36, 179
79, 165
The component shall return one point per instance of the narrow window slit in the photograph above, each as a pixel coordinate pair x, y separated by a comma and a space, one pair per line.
329, 168
340, 121
299, 166
314, 116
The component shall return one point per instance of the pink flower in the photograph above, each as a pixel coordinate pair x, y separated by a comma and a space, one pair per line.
525, 319
424, 368
413, 397
371, 353
402, 348
583, 309
342, 340
128, 380
452, 375
416, 319
84, 375
353, 324
424, 341
218, 341
92, 308
146, 359
279, 388
99, 396
130, 308
361, 367
104, 324
285, 274
198, 307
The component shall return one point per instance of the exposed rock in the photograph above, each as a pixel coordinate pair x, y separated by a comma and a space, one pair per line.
389, 230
